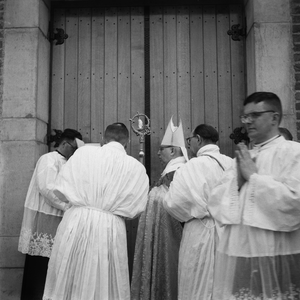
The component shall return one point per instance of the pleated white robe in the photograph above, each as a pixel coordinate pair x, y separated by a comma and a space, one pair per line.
89, 258
259, 253
187, 202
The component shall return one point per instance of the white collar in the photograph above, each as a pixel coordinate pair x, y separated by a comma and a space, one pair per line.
266, 142
115, 145
173, 165
208, 148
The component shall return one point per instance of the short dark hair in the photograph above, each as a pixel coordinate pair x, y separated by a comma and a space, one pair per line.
117, 132
285, 133
68, 135
207, 132
269, 98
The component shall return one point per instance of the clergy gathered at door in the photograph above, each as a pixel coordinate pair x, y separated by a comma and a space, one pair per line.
177, 210
211, 228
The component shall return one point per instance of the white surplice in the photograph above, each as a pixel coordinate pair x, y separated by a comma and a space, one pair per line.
259, 253
187, 202
89, 257
43, 210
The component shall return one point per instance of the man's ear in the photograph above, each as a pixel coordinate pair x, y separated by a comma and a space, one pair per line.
63, 143
172, 151
199, 139
276, 118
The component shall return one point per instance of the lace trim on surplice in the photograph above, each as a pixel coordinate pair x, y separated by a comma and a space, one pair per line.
34, 243
245, 294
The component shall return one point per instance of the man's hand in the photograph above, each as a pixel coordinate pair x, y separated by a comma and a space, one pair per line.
245, 165
67, 206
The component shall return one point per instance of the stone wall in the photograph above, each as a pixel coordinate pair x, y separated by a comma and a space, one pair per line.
24, 113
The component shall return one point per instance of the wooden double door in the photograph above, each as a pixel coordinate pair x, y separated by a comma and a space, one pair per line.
160, 60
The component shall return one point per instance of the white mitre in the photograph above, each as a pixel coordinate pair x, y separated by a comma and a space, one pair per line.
174, 137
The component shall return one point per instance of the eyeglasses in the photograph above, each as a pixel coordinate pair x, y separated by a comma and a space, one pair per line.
73, 147
253, 116
188, 140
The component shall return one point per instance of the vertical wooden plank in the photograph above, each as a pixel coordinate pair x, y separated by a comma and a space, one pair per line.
197, 57
183, 64
124, 67
210, 66
57, 81
71, 61
137, 103
97, 81
84, 74
224, 80
111, 69
156, 88
137, 71
237, 66
170, 64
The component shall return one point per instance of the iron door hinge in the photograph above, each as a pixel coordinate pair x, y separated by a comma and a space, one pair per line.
236, 32
59, 36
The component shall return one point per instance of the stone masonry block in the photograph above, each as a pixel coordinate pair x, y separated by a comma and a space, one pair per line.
270, 11
22, 129
43, 78
44, 17
11, 283
21, 13
10, 257
41, 132
18, 160
274, 62
20, 73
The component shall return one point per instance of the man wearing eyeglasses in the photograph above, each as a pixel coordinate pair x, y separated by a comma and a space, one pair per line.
258, 201
187, 201
43, 212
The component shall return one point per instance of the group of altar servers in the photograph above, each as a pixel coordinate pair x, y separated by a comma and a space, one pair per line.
211, 227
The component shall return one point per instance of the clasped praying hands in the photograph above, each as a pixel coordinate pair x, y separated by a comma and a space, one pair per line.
245, 165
